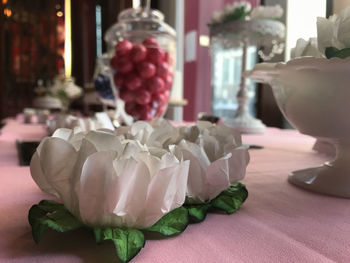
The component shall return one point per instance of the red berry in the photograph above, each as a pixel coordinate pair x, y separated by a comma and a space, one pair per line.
130, 107
143, 97
126, 95
124, 65
169, 81
114, 62
146, 113
146, 70
118, 80
138, 53
123, 47
166, 94
150, 42
159, 98
163, 70
155, 55
132, 81
155, 85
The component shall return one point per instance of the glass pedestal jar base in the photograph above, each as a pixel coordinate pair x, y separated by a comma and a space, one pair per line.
246, 124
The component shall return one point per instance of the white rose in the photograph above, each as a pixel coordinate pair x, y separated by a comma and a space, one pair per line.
247, 6
104, 181
217, 17
217, 159
230, 8
139, 131
267, 12
334, 32
305, 48
72, 90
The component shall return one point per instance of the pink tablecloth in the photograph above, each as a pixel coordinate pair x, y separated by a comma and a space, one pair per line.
278, 222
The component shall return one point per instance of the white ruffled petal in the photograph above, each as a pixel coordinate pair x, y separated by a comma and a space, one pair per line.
132, 148
342, 28
166, 192
238, 163
134, 179
104, 141
39, 177
99, 186
57, 159
217, 178
324, 33
196, 184
63, 133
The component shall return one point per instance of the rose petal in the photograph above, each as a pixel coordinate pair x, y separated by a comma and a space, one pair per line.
238, 163
324, 33
98, 189
57, 159
134, 179
166, 192
38, 176
104, 141
63, 133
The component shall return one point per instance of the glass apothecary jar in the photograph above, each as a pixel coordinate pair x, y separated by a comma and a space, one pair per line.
142, 48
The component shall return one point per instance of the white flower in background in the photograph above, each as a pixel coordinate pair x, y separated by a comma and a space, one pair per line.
246, 5
267, 12
231, 8
99, 121
217, 17
105, 181
72, 90
334, 32
217, 159
305, 48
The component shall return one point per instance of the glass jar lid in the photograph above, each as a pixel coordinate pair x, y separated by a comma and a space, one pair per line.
139, 23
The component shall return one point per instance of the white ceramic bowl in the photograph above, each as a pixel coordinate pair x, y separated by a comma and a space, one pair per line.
314, 95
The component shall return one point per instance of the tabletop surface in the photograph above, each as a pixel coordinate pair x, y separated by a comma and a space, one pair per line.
277, 223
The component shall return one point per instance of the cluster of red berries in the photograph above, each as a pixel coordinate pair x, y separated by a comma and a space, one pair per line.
144, 77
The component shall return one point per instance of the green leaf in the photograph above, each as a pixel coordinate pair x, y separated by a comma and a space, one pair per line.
51, 215
198, 212
238, 14
231, 199
172, 223
332, 52
98, 233
128, 242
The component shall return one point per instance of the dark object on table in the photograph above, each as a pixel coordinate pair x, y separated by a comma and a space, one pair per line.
210, 118
25, 150
2, 124
103, 87
254, 147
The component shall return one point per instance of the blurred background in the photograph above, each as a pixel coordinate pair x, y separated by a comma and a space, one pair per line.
34, 46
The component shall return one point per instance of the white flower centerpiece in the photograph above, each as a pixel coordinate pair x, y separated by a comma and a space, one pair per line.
143, 177
217, 158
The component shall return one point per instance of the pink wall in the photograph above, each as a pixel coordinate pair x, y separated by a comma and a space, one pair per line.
197, 74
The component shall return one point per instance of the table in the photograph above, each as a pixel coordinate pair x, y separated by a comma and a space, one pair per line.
278, 222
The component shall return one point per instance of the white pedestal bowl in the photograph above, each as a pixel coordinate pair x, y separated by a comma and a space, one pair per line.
314, 95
